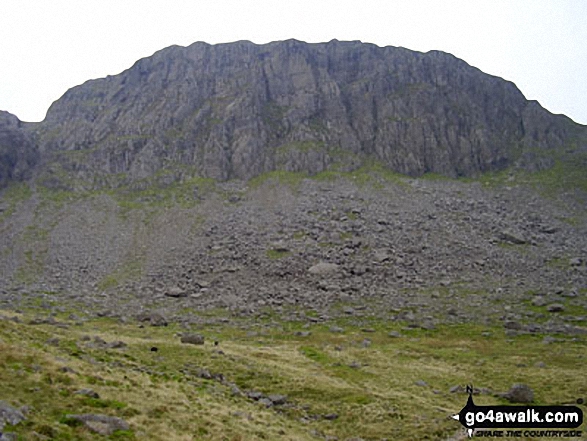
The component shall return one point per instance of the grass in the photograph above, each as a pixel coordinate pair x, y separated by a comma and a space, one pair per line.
13, 195
277, 254
132, 269
564, 176
372, 390
372, 173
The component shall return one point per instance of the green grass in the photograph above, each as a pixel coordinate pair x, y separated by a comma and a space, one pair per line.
12, 196
372, 389
279, 177
132, 269
567, 174
277, 254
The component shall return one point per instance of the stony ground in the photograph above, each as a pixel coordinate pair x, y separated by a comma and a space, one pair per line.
429, 250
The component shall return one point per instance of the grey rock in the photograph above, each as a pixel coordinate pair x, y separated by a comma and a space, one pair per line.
88, 392
176, 292
101, 424
512, 237
323, 268
151, 108
18, 150
265, 402
154, 319
539, 301
555, 307
277, 399
255, 395
457, 389
118, 344
204, 373
512, 324
575, 261
10, 415
520, 393
193, 339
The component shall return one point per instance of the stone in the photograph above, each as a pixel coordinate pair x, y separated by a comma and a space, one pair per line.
555, 307
192, 339
88, 393
520, 393
510, 236
255, 395
101, 424
10, 415
323, 268
176, 292
154, 318
331, 416
575, 261
117, 344
265, 402
512, 324
539, 301
381, 256
277, 399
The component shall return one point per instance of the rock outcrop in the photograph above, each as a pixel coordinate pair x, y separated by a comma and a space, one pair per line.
18, 153
237, 110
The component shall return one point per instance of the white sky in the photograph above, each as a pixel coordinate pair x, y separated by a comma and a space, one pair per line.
48, 46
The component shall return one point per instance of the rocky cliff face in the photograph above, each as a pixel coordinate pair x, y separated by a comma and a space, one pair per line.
18, 152
240, 109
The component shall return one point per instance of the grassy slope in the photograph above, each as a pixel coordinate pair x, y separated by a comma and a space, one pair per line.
162, 397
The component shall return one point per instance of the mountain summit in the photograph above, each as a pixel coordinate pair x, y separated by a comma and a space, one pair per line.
237, 110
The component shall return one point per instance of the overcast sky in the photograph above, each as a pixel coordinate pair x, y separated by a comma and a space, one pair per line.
46, 47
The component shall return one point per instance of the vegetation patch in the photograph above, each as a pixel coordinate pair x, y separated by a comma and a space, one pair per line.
395, 388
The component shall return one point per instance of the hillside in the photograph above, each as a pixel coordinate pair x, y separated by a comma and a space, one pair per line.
362, 229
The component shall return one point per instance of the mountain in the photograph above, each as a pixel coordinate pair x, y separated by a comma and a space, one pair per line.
232, 168
238, 110
18, 152
290, 211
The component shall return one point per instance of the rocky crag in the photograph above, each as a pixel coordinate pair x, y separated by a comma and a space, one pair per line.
18, 153
299, 177
234, 111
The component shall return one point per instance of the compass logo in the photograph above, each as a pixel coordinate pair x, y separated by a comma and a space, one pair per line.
474, 417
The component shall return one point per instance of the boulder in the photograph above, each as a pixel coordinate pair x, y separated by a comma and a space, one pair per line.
176, 292
192, 339
510, 236
10, 415
520, 393
101, 424
555, 307
323, 268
